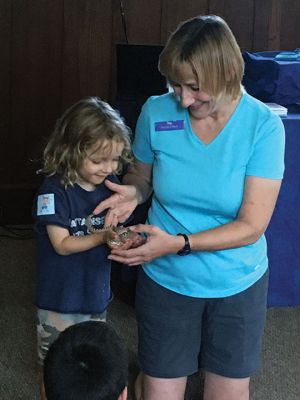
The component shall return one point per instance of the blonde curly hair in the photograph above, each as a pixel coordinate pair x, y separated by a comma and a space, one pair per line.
87, 122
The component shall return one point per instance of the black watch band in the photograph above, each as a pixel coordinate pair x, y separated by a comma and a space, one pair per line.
186, 248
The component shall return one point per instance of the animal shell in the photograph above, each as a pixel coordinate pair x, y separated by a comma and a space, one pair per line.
122, 232
123, 235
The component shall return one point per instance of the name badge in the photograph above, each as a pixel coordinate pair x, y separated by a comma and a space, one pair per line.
169, 125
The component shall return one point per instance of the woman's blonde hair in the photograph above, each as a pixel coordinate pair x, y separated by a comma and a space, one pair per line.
209, 46
84, 124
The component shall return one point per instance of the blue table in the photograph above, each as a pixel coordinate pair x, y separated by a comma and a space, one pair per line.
283, 233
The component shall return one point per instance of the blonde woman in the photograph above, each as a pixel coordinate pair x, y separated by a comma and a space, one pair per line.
213, 156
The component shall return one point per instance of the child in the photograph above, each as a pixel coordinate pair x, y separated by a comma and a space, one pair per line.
88, 361
90, 143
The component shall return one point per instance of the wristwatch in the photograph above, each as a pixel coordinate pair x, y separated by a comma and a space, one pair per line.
186, 248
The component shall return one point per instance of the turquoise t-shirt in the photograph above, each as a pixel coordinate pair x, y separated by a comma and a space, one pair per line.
200, 186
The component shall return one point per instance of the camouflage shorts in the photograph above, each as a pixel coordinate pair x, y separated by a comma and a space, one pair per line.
50, 324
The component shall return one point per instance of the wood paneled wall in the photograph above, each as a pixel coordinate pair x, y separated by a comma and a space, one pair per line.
54, 52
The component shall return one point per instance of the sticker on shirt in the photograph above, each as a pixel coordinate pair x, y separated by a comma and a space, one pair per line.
45, 204
169, 125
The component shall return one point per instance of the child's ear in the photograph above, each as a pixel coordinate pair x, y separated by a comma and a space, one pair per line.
123, 395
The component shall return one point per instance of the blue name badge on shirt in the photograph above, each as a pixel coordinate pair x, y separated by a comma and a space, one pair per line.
45, 204
169, 125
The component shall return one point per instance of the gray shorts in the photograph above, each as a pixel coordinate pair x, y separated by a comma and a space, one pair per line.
50, 324
179, 334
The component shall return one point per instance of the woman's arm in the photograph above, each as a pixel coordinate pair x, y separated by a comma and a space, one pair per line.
258, 204
65, 244
136, 190
140, 175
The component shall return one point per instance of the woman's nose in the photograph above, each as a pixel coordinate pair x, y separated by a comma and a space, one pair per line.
186, 98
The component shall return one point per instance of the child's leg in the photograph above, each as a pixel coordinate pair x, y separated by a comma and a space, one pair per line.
41, 383
49, 326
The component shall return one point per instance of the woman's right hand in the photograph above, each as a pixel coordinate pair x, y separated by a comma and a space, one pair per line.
156, 243
121, 204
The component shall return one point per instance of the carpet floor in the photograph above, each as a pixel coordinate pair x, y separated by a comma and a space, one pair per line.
277, 380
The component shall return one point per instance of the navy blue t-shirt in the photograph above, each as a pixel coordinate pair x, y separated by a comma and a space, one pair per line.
80, 282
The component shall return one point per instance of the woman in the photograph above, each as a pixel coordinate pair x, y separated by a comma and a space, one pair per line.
213, 156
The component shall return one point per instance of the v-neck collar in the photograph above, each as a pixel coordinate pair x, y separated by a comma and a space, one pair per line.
223, 130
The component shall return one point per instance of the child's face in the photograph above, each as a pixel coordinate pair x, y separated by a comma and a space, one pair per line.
98, 164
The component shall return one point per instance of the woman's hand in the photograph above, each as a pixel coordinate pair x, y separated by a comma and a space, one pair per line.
157, 244
121, 204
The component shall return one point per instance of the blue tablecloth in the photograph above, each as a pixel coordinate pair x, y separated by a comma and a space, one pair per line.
271, 80
283, 233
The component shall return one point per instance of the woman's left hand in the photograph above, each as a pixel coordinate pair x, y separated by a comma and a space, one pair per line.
158, 243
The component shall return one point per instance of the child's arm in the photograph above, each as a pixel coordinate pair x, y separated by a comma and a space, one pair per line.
65, 244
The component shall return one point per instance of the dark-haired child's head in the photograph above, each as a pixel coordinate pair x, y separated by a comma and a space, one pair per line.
88, 361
